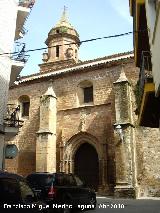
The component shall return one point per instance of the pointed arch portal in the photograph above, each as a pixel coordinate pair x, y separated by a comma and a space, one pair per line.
86, 165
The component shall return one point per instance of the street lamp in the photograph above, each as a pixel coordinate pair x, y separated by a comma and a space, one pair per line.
119, 130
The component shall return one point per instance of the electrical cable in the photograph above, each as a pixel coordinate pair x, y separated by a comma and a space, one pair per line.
79, 43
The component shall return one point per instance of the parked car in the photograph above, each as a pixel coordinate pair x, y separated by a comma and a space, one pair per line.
62, 192
17, 196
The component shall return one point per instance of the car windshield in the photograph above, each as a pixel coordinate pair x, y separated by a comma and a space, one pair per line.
26, 192
65, 180
40, 180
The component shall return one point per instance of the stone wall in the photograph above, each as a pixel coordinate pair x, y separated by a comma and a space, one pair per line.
148, 161
147, 157
24, 163
95, 119
72, 118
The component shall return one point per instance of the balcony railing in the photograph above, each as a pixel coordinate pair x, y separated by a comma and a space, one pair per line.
19, 53
26, 3
145, 76
12, 116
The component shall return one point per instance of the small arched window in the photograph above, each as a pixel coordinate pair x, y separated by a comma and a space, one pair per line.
57, 51
76, 53
85, 92
24, 103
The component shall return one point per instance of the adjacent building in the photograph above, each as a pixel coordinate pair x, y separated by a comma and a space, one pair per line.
79, 117
146, 25
13, 15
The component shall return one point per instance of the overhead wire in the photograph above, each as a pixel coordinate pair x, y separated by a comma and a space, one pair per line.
79, 43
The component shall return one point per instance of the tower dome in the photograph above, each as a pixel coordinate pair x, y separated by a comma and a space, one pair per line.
63, 44
63, 28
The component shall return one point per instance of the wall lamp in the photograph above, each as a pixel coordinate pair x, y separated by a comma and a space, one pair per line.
118, 129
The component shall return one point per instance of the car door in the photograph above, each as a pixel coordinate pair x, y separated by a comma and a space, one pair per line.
82, 191
9, 191
64, 187
39, 184
9, 194
27, 195
69, 191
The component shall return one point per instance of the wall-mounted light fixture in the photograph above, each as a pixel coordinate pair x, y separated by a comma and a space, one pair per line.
119, 131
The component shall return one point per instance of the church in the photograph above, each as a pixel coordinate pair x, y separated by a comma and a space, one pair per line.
79, 117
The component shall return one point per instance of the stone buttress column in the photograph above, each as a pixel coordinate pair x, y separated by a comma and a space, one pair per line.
124, 151
46, 136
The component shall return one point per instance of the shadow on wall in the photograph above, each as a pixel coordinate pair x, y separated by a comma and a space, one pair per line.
27, 145
25, 162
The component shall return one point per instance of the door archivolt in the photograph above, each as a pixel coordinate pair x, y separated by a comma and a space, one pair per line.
76, 141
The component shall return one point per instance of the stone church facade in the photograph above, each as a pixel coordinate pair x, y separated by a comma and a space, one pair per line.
79, 117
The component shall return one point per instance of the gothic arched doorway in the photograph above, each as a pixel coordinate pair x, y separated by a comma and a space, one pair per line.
86, 165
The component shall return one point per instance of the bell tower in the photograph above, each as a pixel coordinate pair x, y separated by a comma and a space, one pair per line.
63, 44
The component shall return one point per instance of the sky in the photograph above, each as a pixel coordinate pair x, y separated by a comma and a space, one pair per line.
91, 19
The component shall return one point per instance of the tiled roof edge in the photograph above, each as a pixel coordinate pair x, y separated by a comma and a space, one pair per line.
78, 66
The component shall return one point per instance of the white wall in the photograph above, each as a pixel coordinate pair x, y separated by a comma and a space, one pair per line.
156, 56
153, 22
151, 17
8, 15
8, 11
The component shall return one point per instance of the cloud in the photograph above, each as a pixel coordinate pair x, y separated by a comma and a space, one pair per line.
122, 8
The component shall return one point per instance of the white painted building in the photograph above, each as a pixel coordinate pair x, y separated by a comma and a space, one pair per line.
146, 26
12, 19
153, 23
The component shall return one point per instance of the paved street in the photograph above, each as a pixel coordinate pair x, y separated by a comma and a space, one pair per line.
126, 206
